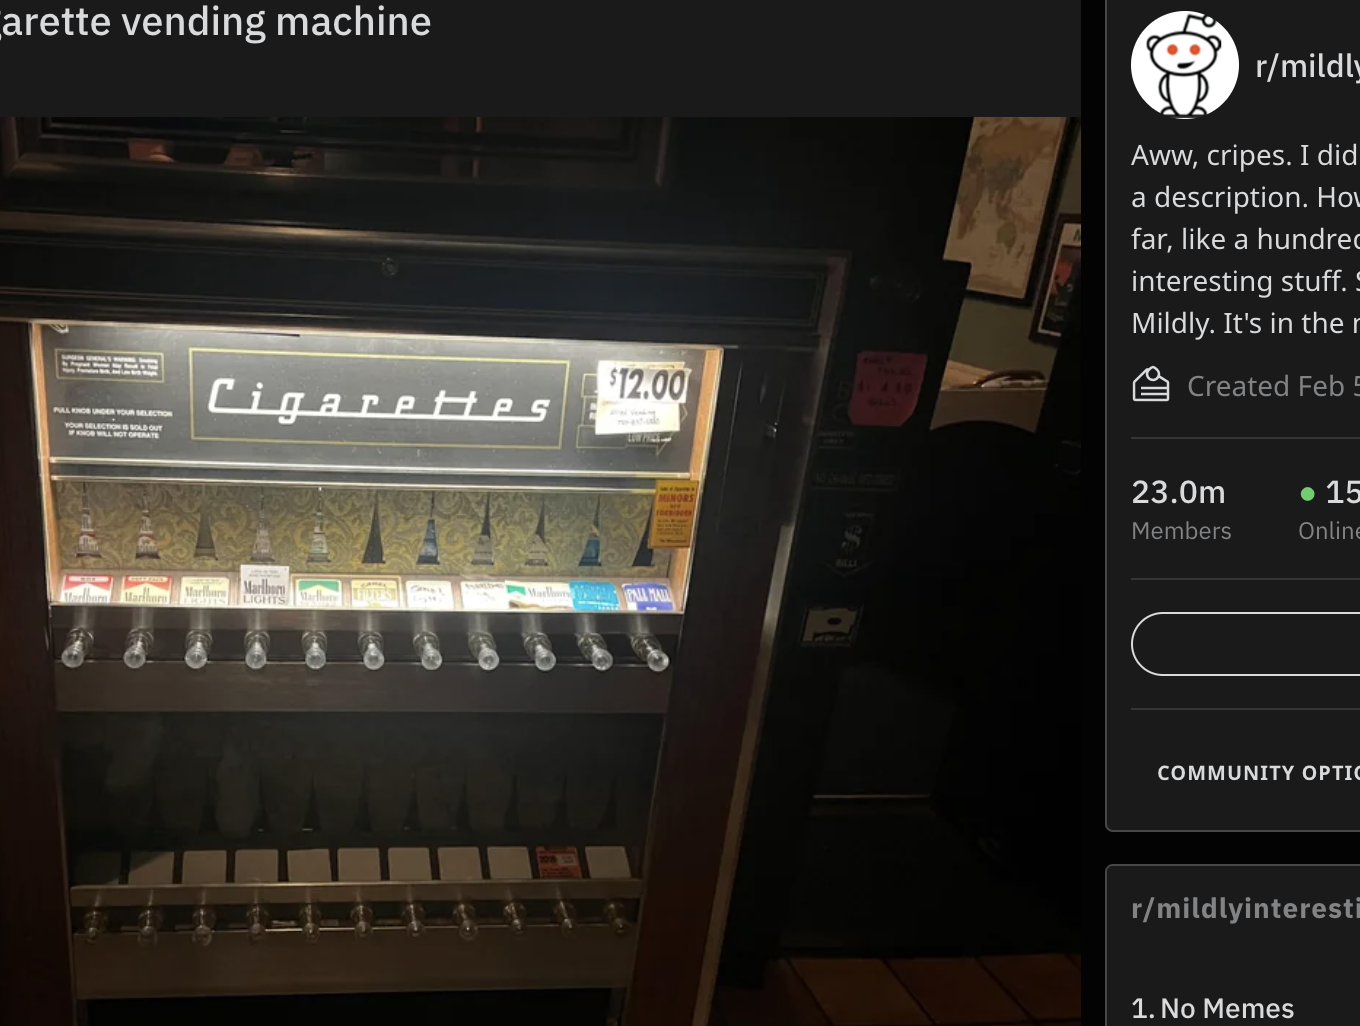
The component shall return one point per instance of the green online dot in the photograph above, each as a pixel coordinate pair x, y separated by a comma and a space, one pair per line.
1307, 494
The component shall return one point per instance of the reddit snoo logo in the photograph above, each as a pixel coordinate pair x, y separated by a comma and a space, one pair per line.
1184, 64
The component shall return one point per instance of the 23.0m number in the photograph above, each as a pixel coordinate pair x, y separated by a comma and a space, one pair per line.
1158, 492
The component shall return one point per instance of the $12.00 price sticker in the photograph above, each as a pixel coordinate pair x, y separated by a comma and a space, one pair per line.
642, 382
639, 398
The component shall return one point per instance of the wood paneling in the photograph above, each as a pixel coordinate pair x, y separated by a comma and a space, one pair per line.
35, 979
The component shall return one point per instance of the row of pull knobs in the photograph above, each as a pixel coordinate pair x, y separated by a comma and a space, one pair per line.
204, 921
482, 646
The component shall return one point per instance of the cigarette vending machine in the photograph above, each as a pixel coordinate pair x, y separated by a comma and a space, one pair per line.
398, 514
362, 638
370, 650
365, 648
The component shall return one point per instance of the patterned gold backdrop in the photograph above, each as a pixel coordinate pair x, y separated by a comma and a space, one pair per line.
115, 512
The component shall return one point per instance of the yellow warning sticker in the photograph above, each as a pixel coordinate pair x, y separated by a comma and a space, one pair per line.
673, 515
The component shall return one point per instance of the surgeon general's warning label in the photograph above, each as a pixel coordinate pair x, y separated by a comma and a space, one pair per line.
106, 365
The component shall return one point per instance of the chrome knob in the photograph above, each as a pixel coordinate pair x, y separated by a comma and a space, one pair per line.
466, 918
362, 918
427, 648
565, 914
483, 648
371, 648
137, 648
649, 650
257, 923
197, 645
314, 649
78, 643
309, 919
413, 916
593, 648
257, 649
204, 919
538, 648
515, 918
148, 926
96, 922
616, 915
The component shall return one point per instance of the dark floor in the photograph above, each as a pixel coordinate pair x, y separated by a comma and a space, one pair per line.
1012, 989
1023, 990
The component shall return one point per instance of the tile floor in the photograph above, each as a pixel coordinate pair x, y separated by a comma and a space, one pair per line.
1012, 989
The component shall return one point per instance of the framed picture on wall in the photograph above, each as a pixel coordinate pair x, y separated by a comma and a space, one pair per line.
1006, 192
1060, 274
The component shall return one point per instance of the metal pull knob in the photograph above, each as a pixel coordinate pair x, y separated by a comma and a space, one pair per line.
413, 916
538, 648
649, 650
148, 926
483, 648
616, 915
427, 649
466, 918
138, 647
95, 923
310, 921
257, 649
78, 643
362, 918
197, 646
371, 649
515, 918
257, 923
565, 914
204, 919
593, 648
314, 649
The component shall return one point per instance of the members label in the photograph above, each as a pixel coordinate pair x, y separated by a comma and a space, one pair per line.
204, 591
594, 596
558, 863
538, 595
649, 598
146, 591
485, 595
318, 592
375, 593
264, 584
427, 594
87, 589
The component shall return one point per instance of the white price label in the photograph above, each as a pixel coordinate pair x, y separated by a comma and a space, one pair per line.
636, 418
642, 382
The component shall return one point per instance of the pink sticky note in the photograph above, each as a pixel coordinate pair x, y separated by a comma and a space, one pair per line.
887, 386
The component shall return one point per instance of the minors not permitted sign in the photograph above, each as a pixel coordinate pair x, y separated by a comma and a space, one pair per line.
673, 515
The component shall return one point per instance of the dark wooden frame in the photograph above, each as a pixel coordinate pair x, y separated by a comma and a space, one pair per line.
1050, 264
35, 952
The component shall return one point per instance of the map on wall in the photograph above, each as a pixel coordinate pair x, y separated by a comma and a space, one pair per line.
1003, 195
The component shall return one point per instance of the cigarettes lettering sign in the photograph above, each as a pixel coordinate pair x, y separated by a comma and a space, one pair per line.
194, 397
292, 398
